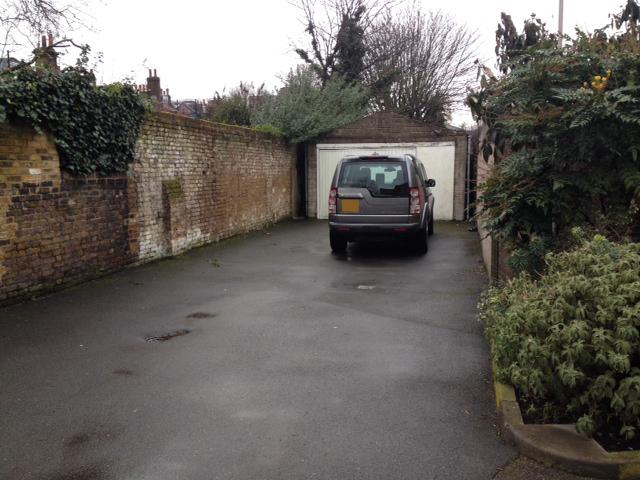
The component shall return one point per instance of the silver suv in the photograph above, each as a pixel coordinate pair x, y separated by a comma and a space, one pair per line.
379, 196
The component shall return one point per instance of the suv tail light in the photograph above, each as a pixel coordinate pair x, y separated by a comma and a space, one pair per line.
415, 206
333, 200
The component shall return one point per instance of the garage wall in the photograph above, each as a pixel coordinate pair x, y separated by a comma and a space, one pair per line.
439, 161
392, 128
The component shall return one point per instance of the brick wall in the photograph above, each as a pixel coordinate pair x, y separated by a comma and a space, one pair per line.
192, 182
55, 228
389, 127
199, 182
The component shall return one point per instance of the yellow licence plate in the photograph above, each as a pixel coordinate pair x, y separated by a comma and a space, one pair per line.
350, 206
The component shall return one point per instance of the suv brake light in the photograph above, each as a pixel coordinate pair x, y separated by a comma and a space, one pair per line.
415, 206
333, 200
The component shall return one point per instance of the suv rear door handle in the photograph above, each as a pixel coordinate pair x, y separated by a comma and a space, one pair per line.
350, 195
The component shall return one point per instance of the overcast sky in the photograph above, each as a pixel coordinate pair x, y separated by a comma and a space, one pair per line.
200, 46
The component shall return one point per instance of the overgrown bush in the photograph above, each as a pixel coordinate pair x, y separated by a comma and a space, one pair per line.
304, 109
564, 124
237, 106
232, 111
95, 128
270, 129
569, 341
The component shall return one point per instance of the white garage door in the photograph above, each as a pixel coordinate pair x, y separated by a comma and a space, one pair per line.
437, 157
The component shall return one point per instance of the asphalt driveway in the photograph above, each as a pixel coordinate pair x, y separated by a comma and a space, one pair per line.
288, 363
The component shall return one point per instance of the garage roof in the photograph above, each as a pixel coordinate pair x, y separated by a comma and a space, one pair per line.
390, 127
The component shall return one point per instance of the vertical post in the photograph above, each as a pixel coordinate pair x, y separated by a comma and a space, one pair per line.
467, 202
560, 22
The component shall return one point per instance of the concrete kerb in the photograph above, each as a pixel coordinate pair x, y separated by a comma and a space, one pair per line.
561, 445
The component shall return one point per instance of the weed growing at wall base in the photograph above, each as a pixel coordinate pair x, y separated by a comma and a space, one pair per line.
95, 128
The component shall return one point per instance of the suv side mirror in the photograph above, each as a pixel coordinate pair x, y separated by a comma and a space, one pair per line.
430, 183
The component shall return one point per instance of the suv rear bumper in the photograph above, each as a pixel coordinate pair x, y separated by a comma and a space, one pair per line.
355, 230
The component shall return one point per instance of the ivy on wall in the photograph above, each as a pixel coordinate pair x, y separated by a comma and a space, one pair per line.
95, 128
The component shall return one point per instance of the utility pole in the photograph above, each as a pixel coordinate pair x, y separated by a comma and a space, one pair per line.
560, 22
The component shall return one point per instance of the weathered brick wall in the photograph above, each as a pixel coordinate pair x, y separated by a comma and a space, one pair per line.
199, 182
192, 182
389, 127
55, 228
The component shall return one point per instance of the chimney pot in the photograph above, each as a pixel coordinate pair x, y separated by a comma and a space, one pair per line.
155, 74
44, 41
149, 72
50, 40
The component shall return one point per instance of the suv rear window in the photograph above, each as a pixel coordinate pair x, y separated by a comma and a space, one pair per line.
383, 178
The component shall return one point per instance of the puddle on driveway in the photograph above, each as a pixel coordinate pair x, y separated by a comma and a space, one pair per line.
167, 336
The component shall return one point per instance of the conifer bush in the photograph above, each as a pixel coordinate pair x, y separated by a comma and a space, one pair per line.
569, 340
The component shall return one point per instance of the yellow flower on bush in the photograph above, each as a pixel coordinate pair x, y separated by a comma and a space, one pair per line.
599, 83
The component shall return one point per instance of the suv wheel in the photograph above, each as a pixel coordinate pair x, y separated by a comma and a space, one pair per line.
422, 242
338, 243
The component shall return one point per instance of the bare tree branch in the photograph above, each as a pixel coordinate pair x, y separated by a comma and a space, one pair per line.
22, 21
323, 20
420, 64
63, 43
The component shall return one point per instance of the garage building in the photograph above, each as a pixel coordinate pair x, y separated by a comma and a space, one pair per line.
443, 151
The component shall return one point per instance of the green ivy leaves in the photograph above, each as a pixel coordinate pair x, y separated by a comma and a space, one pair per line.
95, 127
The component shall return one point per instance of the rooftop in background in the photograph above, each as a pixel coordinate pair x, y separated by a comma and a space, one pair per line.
188, 107
8, 62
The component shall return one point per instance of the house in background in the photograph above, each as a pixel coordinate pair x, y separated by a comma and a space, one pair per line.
164, 103
191, 108
153, 89
45, 55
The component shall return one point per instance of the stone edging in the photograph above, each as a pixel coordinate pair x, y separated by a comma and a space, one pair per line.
561, 444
